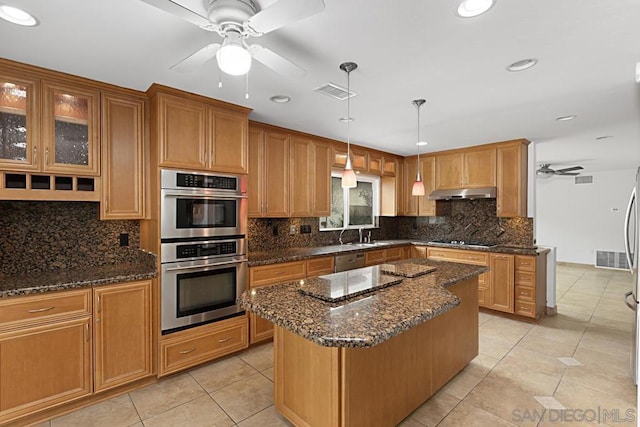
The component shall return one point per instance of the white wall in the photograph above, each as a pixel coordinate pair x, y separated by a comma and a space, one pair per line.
581, 218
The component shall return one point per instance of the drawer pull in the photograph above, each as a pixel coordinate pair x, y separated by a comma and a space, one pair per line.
524, 293
224, 340
40, 310
191, 350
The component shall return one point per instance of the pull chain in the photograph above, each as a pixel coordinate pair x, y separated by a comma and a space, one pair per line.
246, 86
219, 79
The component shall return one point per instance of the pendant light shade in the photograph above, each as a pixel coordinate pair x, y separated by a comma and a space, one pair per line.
418, 186
348, 175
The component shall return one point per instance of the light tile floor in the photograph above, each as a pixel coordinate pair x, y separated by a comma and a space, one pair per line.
570, 369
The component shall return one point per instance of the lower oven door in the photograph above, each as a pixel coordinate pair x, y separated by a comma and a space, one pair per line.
197, 292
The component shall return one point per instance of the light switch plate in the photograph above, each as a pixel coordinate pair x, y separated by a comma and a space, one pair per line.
292, 229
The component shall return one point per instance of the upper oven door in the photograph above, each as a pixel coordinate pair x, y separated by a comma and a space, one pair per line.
197, 213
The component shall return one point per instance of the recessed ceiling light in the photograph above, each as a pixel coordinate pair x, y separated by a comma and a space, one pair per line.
600, 138
471, 8
565, 118
280, 99
17, 16
523, 64
421, 143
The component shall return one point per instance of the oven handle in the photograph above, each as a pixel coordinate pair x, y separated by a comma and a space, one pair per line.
191, 267
206, 196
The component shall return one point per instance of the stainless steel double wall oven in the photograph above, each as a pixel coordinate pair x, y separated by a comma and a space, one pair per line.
203, 243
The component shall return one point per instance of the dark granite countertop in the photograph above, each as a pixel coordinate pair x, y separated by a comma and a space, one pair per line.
296, 254
363, 321
31, 283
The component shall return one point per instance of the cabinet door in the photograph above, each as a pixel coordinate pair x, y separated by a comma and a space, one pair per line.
410, 202
360, 160
122, 157
418, 251
321, 205
259, 329
428, 172
480, 168
512, 180
70, 130
182, 132
389, 166
19, 122
122, 324
375, 164
44, 366
449, 169
501, 291
276, 175
301, 169
255, 180
228, 145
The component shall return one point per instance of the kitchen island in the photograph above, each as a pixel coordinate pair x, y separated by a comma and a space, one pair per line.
374, 358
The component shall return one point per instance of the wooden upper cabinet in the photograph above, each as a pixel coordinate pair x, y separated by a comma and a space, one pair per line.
466, 169
512, 177
182, 132
255, 180
268, 183
301, 188
389, 166
376, 164
70, 129
19, 121
122, 325
123, 134
359, 159
322, 180
229, 148
420, 205
194, 135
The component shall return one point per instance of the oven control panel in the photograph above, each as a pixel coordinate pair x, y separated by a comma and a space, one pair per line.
185, 180
196, 250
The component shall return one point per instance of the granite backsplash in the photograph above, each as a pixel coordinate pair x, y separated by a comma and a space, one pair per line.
45, 236
469, 220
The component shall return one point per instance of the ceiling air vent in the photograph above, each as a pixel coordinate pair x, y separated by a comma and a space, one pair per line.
334, 91
586, 179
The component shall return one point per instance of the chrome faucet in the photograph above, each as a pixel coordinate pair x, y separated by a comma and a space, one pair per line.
360, 230
340, 238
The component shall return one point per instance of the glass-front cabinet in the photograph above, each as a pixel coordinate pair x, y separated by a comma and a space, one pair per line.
18, 124
70, 129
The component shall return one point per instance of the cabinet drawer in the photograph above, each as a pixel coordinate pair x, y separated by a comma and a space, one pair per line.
467, 257
524, 308
393, 254
525, 293
28, 310
318, 266
526, 263
276, 273
374, 257
208, 342
525, 278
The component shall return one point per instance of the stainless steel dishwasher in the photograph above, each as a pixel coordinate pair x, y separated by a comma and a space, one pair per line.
349, 261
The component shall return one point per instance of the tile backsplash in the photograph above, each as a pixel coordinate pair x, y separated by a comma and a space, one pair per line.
44, 236
469, 220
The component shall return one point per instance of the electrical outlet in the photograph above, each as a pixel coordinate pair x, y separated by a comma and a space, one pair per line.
124, 239
292, 229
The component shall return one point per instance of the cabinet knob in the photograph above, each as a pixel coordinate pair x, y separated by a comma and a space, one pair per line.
46, 155
35, 155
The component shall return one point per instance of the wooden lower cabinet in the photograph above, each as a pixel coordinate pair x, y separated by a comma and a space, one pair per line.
530, 285
44, 366
418, 251
123, 334
501, 296
184, 349
320, 266
374, 257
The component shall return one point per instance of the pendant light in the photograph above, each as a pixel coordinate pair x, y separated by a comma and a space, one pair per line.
348, 175
418, 186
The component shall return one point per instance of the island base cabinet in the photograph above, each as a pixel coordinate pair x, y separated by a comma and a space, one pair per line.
43, 366
379, 385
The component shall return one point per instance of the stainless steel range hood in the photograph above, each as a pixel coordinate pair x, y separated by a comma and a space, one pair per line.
464, 193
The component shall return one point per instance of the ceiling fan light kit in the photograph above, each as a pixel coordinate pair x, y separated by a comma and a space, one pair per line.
348, 175
545, 171
418, 186
232, 57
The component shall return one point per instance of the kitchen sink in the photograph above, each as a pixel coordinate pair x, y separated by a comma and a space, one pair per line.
367, 245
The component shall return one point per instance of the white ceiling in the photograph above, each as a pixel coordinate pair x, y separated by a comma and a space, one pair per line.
405, 49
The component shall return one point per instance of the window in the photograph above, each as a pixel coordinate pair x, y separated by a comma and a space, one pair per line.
353, 207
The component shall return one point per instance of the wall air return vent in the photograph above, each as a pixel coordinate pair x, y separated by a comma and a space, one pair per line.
586, 179
607, 259
334, 91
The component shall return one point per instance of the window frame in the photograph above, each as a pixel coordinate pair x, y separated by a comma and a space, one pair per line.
375, 184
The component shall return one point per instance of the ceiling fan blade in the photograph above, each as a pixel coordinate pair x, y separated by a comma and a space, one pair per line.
192, 62
574, 168
275, 61
282, 13
568, 173
182, 12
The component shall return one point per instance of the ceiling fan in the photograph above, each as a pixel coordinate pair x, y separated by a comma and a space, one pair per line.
546, 171
235, 21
